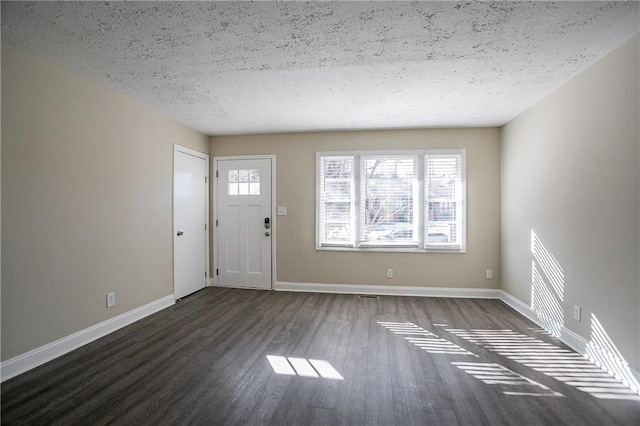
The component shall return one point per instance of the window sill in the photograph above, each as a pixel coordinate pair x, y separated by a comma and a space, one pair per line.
390, 250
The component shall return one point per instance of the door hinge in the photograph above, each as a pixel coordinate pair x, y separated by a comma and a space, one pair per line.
205, 226
205, 274
216, 222
206, 179
216, 173
217, 273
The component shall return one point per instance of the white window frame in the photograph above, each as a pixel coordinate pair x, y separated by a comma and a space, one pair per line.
420, 204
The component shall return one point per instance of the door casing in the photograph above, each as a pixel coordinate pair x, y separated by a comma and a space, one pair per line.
214, 212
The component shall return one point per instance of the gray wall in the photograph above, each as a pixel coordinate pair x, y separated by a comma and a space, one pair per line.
87, 197
570, 173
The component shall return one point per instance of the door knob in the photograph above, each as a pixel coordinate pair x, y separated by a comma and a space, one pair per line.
267, 234
180, 233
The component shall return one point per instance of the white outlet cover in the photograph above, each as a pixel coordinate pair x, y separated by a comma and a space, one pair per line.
576, 312
282, 210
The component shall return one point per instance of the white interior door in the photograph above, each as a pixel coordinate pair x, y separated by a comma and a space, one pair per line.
190, 221
244, 225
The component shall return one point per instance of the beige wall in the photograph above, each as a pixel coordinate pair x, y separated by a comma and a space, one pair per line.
570, 171
297, 259
87, 202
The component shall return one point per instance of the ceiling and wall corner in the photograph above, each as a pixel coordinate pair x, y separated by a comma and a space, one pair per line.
240, 67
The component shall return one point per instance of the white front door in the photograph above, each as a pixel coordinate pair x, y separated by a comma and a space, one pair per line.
244, 225
190, 221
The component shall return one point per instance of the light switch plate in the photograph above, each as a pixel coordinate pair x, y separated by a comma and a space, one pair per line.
282, 211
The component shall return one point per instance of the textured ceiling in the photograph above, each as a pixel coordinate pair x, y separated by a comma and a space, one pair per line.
240, 67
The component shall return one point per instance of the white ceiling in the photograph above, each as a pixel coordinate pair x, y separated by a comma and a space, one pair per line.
240, 67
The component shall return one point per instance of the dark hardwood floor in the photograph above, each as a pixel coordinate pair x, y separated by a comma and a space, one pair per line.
225, 356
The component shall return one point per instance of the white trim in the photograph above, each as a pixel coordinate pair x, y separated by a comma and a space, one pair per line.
568, 337
185, 150
274, 219
476, 293
518, 306
36, 357
573, 340
420, 245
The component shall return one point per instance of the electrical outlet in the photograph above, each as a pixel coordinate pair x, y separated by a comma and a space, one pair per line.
489, 274
111, 299
389, 273
576, 312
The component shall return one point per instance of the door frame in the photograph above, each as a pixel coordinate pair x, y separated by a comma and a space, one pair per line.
214, 211
184, 150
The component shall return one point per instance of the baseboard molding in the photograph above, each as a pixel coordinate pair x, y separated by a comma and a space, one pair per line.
519, 306
568, 337
383, 290
36, 357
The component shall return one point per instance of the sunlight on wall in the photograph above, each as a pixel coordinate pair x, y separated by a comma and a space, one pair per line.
548, 264
547, 295
606, 355
510, 382
547, 287
561, 364
424, 339
292, 366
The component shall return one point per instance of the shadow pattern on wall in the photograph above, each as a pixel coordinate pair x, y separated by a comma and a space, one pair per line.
547, 298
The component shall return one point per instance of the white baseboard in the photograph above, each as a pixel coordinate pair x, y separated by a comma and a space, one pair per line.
519, 306
32, 359
383, 290
568, 337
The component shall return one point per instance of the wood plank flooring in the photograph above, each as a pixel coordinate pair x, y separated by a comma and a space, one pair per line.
403, 361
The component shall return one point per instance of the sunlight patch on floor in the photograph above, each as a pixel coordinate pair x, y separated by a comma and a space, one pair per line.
293, 366
510, 382
561, 364
424, 339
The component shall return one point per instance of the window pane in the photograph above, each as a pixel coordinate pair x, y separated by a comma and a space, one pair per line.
403, 199
243, 175
233, 175
444, 192
389, 194
338, 189
440, 232
243, 188
442, 211
336, 203
338, 212
254, 188
233, 188
338, 167
442, 176
337, 232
